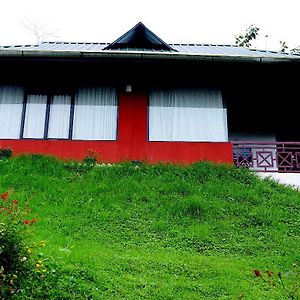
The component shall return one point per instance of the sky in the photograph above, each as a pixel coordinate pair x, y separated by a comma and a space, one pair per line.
184, 21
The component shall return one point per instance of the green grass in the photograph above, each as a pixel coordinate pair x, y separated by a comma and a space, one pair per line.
156, 231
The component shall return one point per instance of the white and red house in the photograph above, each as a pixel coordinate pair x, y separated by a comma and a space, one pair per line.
139, 98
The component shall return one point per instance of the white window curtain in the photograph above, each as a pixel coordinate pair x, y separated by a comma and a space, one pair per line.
11, 105
95, 114
59, 117
35, 116
190, 115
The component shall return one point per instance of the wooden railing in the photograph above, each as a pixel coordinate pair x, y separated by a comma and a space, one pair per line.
268, 156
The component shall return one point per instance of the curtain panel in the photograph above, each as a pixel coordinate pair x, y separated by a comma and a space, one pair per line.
95, 114
34, 124
11, 105
59, 117
188, 115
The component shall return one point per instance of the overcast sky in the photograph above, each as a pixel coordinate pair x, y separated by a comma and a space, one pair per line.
185, 21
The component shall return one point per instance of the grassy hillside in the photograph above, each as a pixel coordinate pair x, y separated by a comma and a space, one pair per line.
157, 232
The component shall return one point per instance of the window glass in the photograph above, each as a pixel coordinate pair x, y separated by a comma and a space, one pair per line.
95, 114
11, 106
34, 124
187, 115
59, 117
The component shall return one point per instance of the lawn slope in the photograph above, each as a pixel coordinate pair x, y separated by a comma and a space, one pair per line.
135, 231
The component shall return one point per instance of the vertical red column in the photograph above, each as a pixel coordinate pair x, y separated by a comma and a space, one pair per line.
132, 133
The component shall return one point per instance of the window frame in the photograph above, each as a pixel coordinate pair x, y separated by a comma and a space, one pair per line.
8, 98
117, 114
50, 95
224, 106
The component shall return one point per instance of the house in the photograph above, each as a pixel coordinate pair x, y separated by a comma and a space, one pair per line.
139, 98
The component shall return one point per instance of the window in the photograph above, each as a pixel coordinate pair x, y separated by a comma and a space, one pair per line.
187, 115
95, 114
59, 117
34, 125
89, 114
47, 116
11, 105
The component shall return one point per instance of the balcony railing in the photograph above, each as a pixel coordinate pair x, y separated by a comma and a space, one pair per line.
268, 157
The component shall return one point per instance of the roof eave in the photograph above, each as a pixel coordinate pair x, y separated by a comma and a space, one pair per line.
142, 55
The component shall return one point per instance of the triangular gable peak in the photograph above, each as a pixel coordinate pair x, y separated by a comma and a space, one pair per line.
139, 37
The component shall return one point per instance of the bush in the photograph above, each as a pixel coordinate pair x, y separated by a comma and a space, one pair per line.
5, 153
91, 158
15, 259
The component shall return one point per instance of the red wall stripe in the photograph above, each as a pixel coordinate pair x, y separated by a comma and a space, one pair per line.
131, 144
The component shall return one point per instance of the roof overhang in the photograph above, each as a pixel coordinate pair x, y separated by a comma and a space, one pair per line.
136, 55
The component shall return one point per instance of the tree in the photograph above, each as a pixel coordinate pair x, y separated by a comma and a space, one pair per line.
283, 46
39, 30
244, 40
296, 50
250, 35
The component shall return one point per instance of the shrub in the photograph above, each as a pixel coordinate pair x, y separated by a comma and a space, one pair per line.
91, 158
15, 259
5, 153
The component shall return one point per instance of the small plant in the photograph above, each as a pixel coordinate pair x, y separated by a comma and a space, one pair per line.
91, 158
288, 281
5, 153
15, 259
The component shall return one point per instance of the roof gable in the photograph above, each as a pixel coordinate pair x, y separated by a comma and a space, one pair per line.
139, 37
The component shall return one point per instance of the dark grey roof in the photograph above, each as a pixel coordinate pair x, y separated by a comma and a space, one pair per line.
198, 50
230, 50
140, 42
58, 46
139, 36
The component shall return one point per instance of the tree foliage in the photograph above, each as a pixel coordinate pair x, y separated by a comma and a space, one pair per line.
244, 40
283, 46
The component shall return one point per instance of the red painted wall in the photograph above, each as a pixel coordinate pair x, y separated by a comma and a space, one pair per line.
132, 141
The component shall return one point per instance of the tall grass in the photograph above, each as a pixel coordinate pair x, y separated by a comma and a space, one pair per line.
137, 231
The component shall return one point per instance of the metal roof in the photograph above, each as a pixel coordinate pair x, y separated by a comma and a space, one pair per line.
140, 42
183, 51
139, 36
58, 46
